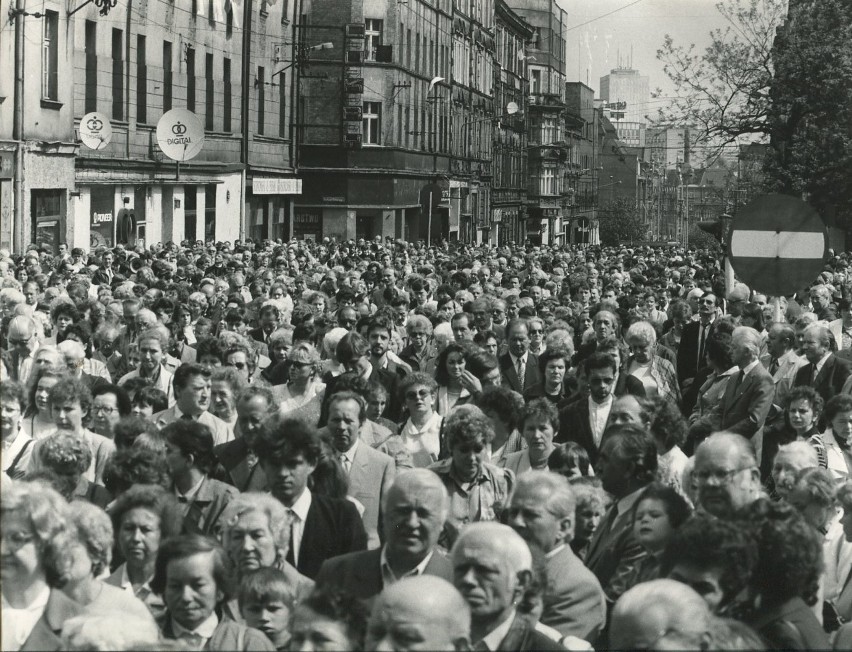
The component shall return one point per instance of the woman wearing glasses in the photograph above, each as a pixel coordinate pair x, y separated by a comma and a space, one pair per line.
303, 394
422, 432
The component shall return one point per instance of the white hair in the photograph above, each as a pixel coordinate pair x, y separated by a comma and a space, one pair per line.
517, 552
112, 630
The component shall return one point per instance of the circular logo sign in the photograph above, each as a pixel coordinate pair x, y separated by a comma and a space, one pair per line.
95, 130
778, 244
180, 134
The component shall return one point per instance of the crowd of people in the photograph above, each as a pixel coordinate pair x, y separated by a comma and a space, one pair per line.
379, 445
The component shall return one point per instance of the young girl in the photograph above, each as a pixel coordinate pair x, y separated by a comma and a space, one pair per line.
659, 511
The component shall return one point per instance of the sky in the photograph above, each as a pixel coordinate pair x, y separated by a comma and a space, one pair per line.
594, 48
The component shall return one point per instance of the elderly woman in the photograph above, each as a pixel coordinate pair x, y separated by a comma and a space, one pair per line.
503, 406
38, 421
553, 364
90, 552
36, 534
421, 433
256, 534
64, 460
225, 385
802, 409
303, 394
193, 578
478, 491
645, 373
331, 367
17, 444
539, 422
142, 517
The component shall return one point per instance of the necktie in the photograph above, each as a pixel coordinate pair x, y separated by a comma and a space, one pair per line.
702, 330
187, 417
344, 462
739, 380
813, 373
521, 371
773, 366
291, 553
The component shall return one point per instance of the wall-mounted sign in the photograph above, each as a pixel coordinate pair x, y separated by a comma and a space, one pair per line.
276, 186
180, 134
95, 130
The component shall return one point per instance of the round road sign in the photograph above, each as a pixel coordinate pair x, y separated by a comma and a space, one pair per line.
95, 130
778, 244
180, 134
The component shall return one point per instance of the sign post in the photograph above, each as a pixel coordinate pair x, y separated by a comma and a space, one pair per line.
778, 244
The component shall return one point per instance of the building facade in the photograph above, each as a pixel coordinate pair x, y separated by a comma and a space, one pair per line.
584, 172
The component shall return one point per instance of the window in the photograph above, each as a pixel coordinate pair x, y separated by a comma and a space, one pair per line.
190, 79
50, 57
208, 91
117, 74
227, 94
141, 80
261, 97
408, 49
372, 123
91, 66
167, 76
282, 106
373, 34
535, 82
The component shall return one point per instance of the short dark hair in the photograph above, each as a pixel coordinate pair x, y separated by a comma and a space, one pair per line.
210, 346
186, 371
152, 397
121, 397
554, 353
677, 508
192, 438
11, 390
185, 546
570, 454
343, 608
281, 439
351, 347
337, 397
128, 429
836, 405
599, 360
71, 389
636, 445
541, 408
380, 322
134, 466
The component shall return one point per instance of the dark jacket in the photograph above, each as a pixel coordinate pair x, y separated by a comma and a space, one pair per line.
829, 381
790, 626
233, 456
523, 636
574, 426
532, 374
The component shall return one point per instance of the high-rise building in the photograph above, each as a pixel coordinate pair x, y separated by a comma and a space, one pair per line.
626, 94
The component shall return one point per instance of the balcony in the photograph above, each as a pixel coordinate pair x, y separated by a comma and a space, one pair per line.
546, 101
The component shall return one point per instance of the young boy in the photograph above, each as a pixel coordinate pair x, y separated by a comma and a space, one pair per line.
266, 601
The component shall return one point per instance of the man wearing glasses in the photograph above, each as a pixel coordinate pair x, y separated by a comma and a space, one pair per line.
23, 342
726, 474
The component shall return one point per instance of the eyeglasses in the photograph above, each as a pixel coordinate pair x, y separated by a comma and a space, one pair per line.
536, 332
719, 476
17, 342
413, 396
103, 409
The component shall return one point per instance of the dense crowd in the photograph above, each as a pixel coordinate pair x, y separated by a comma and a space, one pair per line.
381, 445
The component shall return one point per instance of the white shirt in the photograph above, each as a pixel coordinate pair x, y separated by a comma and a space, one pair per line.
522, 360
819, 365
199, 636
749, 367
18, 624
598, 415
423, 444
389, 577
493, 639
348, 457
299, 513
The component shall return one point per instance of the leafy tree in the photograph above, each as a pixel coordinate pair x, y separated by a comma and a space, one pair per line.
619, 223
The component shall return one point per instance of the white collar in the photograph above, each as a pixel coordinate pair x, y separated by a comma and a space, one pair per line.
594, 405
515, 358
554, 552
350, 454
302, 505
205, 630
818, 366
751, 365
39, 603
493, 639
387, 571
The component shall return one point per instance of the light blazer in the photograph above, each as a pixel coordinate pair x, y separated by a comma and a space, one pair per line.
45, 634
744, 409
532, 374
221, 431
371, 475
574, 603
788, 365
360, 573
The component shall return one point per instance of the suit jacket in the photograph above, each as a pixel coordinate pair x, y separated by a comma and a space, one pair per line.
360, 575
333, 527
574, 426
523, 636
388, 379
574, 603
370, 476
613, 551
788, 365
234, 458
201, 513
829, 382
744, 409
532, 374
687, 352
424, 363
45, 634
258, 335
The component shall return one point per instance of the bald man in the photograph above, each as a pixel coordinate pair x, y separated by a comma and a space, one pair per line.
726, 474
492, 569
660, 615
22, 340
419, 613
415, 508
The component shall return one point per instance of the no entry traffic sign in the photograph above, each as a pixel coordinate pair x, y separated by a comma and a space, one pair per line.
778, 244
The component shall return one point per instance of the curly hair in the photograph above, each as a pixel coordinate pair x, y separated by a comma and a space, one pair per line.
805, 393
467, 425
210, 346
340, 607
541, 408
677, 508
442, 376
554, 354
814, 486
256, 502
280, 439
159, 501
667, 423
415, 379
504, 402
71, 390
707, 542
48, 515
11, 390
66, 454
836, 405
133, 466
790, 557
94, 531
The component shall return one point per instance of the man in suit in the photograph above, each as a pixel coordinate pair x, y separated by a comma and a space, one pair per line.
583, 421
825, 372
749, 393
322, 527
492, 568
518, 367
191, 385
242, 469
22, 338
693, 341
268, 318
542, 512
370, 471
416, 506
421, 612
781, 360
626, 465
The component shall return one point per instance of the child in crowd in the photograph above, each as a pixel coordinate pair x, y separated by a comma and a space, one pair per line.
266, 600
